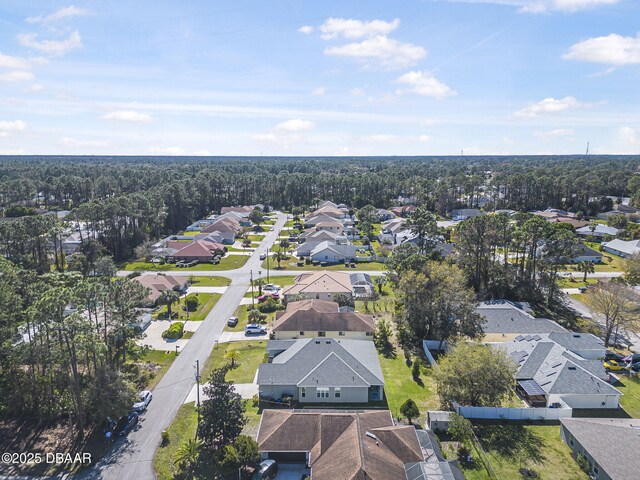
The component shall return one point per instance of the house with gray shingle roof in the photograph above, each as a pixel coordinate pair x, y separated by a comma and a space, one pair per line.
552, 371
322, 370
610, 445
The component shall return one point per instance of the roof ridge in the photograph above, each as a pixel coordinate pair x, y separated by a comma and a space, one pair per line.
325, 359
288, 416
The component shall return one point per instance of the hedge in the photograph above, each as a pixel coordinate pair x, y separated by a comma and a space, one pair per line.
175, 331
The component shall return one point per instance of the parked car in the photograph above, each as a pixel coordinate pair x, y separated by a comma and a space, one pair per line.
263, 256
267, 470
635, 358
271, 229
635, 367
271, 287
255, 328
615, 366
126, 424
613, 356
267, 296
232, 322
142, 404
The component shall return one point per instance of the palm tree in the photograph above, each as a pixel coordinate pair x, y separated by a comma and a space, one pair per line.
188, 454
253, 315
278, 256
586, 267
233, 355
168, 298
258, 282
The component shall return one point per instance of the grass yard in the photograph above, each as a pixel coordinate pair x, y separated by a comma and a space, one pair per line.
242, 314
252, 354
189, 233
209, 281
510, 447
400, 386
290, 265
630, 401
159, 364
230, 262
206, 301
183, 427
577, 283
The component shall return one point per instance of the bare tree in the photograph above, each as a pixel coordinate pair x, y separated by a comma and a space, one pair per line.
618, 304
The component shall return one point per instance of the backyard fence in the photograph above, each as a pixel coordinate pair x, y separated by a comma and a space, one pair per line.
536, 413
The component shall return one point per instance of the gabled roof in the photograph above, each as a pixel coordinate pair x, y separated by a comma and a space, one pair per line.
613, 443
324, 361
337, 248
502, 316
599, 229
158, 283
199, 248
365, 445
321, 315
327, 210
320, 282
629, 247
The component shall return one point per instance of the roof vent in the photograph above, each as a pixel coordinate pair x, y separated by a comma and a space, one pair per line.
576, 335
572, 368
317, 342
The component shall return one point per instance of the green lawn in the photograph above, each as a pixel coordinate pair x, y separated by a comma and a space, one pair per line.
577, 283
290, 264
183, 427
206, 301
252, 352
400, 386
230, 262
210, 281
539, 447
630, 401
162, 360
241, 313
189, 233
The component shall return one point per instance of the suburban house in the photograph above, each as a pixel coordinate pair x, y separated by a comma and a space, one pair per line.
322, 370
597, 231
328, 211
464, 213
562, 369
403, 211
505, 320
244, 210
353, 445
313, 240
587, 254
333, 252
325, 285
199, 225
198, 250
241, 218
158, 283
317, 236
313, 220
385, 215
334, 226
609, 445
321, 318
574, 222
622, 248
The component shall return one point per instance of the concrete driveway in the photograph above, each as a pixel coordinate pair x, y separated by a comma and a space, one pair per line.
291, 471
246, 391
153, 336
241, 336
206, 290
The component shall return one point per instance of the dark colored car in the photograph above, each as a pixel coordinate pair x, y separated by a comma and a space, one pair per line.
267, 470
635, 367
232, 322
613, 356
126, 424
635, 358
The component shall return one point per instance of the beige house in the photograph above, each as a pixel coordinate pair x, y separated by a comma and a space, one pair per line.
158, 283
321, 318
322, 285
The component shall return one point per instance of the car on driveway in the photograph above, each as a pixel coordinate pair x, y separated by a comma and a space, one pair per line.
126, 424
271, 229
613, 356
267, 296
635, 358
615, 366
143, 402
271, 287
267, 470
232, 322
263, 256
255, 328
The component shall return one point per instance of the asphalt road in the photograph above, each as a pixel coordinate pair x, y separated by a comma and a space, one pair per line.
132, 457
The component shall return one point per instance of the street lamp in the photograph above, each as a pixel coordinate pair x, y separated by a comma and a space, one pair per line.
253, 302
268, 252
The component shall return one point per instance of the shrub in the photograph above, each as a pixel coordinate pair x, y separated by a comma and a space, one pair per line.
165, 438
269, 305
286, 397
175, 331
192, 303
415, 370
134, 274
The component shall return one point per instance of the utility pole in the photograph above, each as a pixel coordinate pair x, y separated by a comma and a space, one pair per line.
198, 389
253, 302
268, 252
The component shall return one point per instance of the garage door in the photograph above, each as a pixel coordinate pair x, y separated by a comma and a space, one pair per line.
288, 457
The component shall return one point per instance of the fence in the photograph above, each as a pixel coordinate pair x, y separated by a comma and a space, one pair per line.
536, 413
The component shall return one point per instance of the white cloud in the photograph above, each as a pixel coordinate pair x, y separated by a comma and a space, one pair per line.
127, 116
17, 76
175, 151
202, 153
549, 105
631, 136
558, 132
36, 87
424, 84
390, 138
424, 138
387, 52
353, 29
356, 92
71, 142
7, 61
66, 12
51, 47
318, 92
306, 29
295, 125
611, 50
9, 127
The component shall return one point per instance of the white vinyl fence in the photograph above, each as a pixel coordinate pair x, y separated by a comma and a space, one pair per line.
536, 413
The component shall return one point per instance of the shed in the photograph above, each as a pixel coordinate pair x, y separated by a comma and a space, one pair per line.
438, 421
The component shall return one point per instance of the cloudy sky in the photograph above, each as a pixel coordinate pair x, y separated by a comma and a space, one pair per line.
430, 77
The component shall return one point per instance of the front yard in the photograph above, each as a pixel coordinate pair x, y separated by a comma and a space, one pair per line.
243, 318
209, 281
630, 401
291, 265
252, 353
510, 447
229, 262
206, 301
160, 362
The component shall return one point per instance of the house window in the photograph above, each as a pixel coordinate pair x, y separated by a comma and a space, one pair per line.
341, 334
571, 442
595, 469
336, 392
303, 392
322, 392
302, 334
322, 334
369, 334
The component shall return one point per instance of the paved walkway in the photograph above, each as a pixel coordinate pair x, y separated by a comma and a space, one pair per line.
241, 336
206, 290
246, 391
131, 457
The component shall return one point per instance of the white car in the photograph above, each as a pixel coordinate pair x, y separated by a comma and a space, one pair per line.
271, 229
143, 403
271, 287
255, 328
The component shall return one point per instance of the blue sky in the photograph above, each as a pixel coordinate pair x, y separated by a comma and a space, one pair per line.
431, 77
